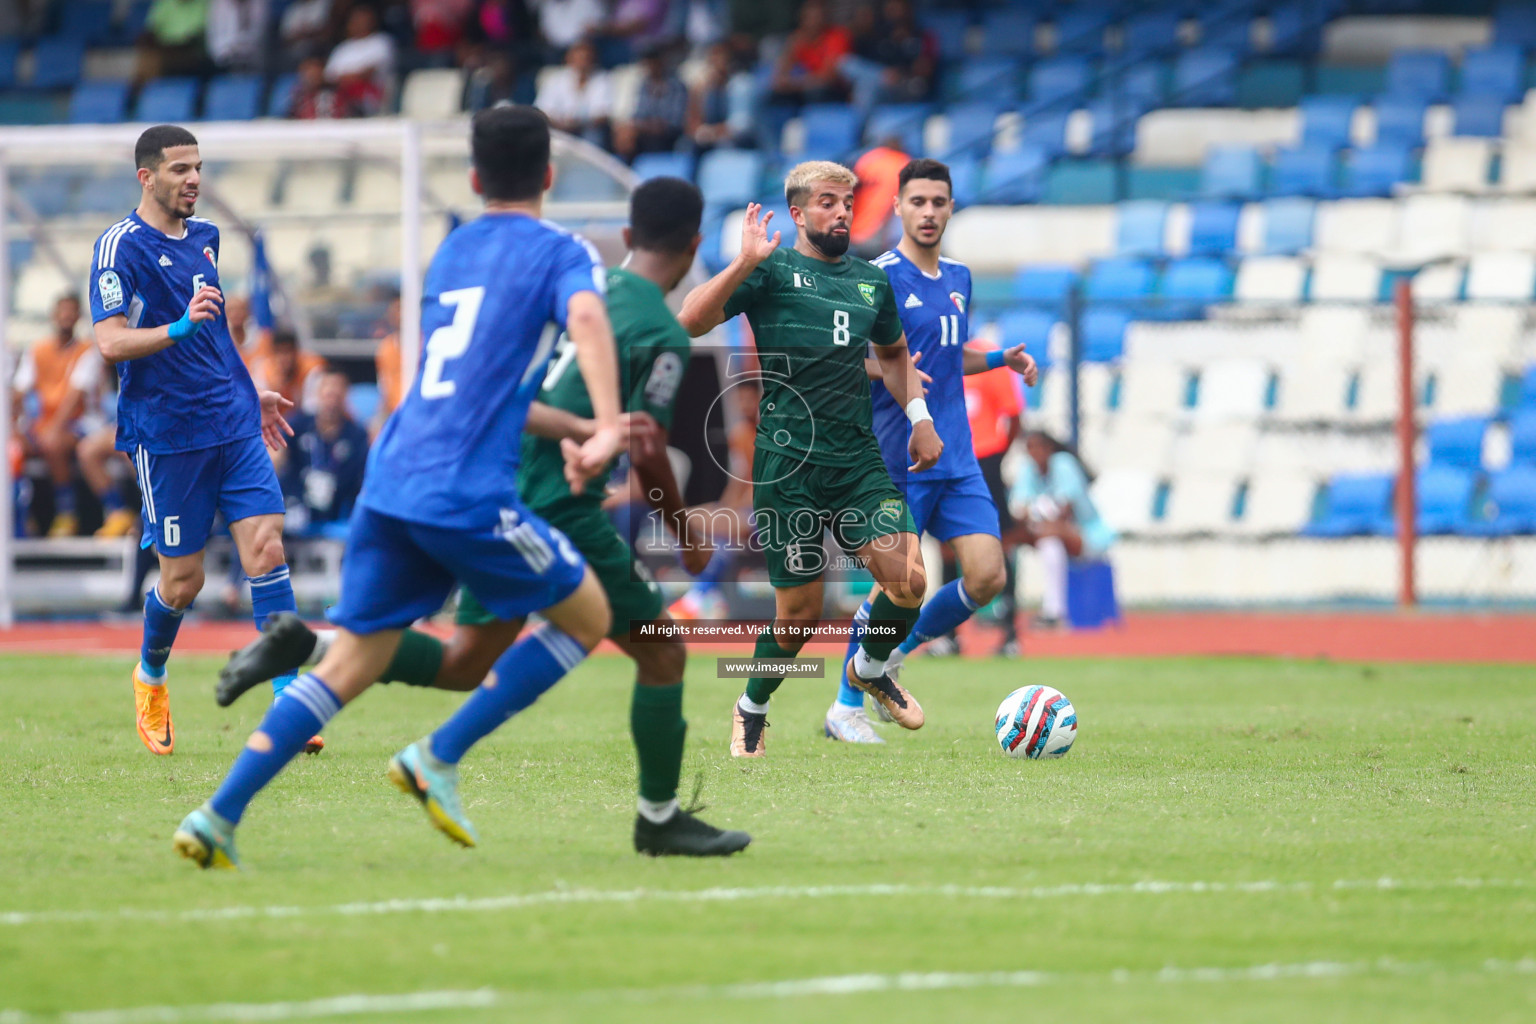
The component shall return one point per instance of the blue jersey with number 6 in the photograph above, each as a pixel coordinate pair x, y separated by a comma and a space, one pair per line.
493, 303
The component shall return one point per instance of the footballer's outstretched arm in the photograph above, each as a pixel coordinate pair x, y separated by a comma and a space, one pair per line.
704, 308
975, 360
901, 379
119, 342
587, 326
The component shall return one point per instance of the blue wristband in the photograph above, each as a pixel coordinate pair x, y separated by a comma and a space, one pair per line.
183, 328
995, 359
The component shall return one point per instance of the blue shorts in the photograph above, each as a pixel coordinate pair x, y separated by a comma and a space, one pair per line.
395, 571
952, 507
182, 492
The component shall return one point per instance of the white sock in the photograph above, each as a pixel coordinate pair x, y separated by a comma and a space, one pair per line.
151, 676
867, 667
656, 813
1053, 568
748, 705
323, 640
896, 658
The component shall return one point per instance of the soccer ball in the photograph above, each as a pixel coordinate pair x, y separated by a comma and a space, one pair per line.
1036, 721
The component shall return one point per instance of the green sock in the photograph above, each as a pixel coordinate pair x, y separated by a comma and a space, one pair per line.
886, 610
416, 661
760, 688
657, 724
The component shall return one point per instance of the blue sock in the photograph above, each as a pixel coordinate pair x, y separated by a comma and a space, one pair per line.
112, 500
270, 593
161, 622
943, 612
280, 737
847, 695
64, 499
520, 676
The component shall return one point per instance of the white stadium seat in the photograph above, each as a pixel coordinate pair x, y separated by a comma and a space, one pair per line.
1124, 498
1150, 387
1126, 441
1517, 168
1345, 278
38, 286
1278, 501
1433, 226
1502, 276
1271, 279
1356, 225
313, 187
1500, 225
376, 189
432, 94
1457, 164
1232, 389
1226, 448
1466, 387
1199, 503
1311, 391
1440, 282
248, 186
449, 183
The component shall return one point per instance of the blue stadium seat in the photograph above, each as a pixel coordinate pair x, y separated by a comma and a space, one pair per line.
1271, 83
1046, 132
1528, 388
1497, 71
1143, 85
167, 100
1104, 334
1231, 172
1514, 23
1457, 442
1288, 225
1444, 496
58, 60
47, 195
138, 13
1052, 82
949, 30
831, 130
233, 98
1400, 121
1325, 121
989, 79
664, 165
1511, 504
281, 95
1373, 171
965, 179
1015, 177
1213, 228
1114, 126
10, 57
1150, 33
1139, 228
1354, 505
1205, 78
1295, 29
1044, 285
1481, 116
972, 127
1522, 437
1189, 285
1081, 183
99, 103
109, 193
1423, 73
903, 120
1302, 172
1080, 28
1010, 32
89, 21
730, 177
1031, 328
1126, 281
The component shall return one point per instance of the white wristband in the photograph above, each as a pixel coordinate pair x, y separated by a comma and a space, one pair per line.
917, 411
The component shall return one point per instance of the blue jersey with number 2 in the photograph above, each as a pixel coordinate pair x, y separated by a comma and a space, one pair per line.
493, 303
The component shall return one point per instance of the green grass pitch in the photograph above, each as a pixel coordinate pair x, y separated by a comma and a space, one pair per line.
1229, 840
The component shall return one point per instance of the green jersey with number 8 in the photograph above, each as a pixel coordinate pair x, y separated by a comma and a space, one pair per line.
813, 321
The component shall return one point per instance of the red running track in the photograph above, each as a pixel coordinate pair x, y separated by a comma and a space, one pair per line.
1340, 636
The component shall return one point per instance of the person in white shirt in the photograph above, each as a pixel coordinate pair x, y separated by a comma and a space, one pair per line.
563, 22
578, 98
363, 64
237, 30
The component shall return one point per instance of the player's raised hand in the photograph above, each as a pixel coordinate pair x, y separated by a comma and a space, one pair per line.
1022, 363
205, 305
925, 447
756, 245
273, 425
641, 432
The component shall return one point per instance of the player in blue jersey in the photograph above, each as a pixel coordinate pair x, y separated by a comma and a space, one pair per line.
440, 504
951, 500
187, 413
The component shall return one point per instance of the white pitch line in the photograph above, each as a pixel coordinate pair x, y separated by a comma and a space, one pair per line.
834, 985
554, 897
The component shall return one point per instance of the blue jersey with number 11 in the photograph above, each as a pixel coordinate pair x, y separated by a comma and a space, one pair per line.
493, 303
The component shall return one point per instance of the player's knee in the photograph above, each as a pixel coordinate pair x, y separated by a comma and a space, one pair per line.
179, 589
908, 593
662, 664
269, 555
986, 583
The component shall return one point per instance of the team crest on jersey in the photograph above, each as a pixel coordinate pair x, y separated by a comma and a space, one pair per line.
868, 291
666, 375
804, 280
208, 251
111, 289
958, 299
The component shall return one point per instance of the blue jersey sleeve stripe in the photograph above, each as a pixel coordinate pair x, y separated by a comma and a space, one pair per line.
117, 240
104, 246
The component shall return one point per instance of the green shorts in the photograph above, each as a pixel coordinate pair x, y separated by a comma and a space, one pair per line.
632, 594
794, 502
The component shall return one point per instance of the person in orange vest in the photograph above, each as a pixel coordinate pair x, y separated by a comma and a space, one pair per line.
878, 172
387, 367
993, 404
59, 377
289, 370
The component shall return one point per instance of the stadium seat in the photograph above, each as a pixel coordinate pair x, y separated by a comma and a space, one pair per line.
1458, 442
1444, 498
1054, 82
1189, 285
1151, 388
1149, 34
1277, 503
1288, 225
1139, 228
1205, 78
99, 103
1511, 503
1010, 32
1279, 279
1375, 170
1104, 334
1143, 84
1457, 164
10, 58
1124, 498
167, 101
901, 120
1514, 23
1508, 276
1079, 28
1517, 168
730, 177
1423, 73
110, 192
1495, 71
1029, 327
1356, 225
1295, 28
664, 165
432, 94
1400, 121
1482, 116
1326, 120
1434, 226
233, 98
950, 31
1125, 281
57, 61
1354, 505
1231, 172
280, 97
314, 187
1522, 429
1042, 285
1228, 26
965, 179
1307, 171
989, 79
1081, 182
1345, 278
971, 128
1233, 390
1213, 228
1271, 83
1198, 503
831, 130
1014, 177
1047, 132
1113, 131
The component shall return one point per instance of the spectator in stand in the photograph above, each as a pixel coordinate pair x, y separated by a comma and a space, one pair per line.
578, 98
720, 107
387, 365
893, 58
993, 404
174, 40
252, 342
362, 65
874, 198
313, 97
440, 25
661, 110
564, 22
290, 372
321, 470
753, 20
59, 376
492, 79
646, 24
237, 33
305, 30
806, 71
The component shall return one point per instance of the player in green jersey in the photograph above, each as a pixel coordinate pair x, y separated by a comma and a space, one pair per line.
814, 312
653, 351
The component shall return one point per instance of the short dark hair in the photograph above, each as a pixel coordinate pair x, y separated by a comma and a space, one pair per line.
664, 215
930, 170
149, 151
510, 149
